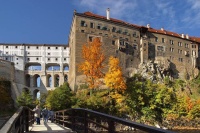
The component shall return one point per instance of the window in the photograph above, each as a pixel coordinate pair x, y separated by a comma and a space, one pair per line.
28, 47
113, 29
6, 46
193, 52
37, 58
6, 52
99, 26
134, 34
48, 59
91, 25
28, 59
156, 39
16, 58
48, 53
82, 31
64, 59
171, 49
186, 45
56, 59
83, 24
90, 38
179, 51
193, 46
6, 58
56, 47
15, 46
171, 42
180, 59
37, 47
65, 47
100, 33
49, 48
163, 40
106, 35
180, 44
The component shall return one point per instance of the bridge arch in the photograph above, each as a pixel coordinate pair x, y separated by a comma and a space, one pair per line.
36, 80
36, 94
49, 80
56, 80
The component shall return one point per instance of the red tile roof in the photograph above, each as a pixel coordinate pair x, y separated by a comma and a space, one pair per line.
90, 14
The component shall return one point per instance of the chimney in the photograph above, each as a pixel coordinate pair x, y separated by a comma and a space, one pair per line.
148, 25
187, 36
182, 35
162, 29
108, 13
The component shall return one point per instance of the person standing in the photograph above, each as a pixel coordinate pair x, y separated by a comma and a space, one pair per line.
52, 116
45, 114
37, 114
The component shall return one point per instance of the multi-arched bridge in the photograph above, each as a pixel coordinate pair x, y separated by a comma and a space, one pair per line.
74, 121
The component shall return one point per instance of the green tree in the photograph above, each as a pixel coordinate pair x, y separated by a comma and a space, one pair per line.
148, 101
25, 99
60, 98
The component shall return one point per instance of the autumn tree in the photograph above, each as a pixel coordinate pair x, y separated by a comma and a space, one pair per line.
113, 77
93, 62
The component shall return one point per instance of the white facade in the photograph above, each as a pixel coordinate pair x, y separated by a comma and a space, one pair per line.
38, 67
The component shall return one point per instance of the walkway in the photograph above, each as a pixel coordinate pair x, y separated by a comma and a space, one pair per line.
49, 128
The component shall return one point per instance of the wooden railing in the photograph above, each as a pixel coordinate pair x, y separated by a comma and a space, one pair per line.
88, 121
19, 122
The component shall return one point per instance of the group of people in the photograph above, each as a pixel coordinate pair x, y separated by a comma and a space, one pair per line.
45, 113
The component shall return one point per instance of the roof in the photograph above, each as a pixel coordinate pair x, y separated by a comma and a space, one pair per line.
159, 31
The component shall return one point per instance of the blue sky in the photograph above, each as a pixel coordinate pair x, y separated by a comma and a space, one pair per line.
49, 21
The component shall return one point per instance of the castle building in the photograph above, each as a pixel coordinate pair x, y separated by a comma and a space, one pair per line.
38, 67
132, 44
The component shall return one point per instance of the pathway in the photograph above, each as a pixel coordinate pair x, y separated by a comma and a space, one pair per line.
48, 127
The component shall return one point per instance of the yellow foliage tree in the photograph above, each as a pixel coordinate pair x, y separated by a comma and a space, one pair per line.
113, 77
93, 62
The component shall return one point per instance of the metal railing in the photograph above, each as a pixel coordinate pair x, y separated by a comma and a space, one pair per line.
19, 122
88, 121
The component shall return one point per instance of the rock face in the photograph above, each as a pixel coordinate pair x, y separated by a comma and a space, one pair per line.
156, 70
